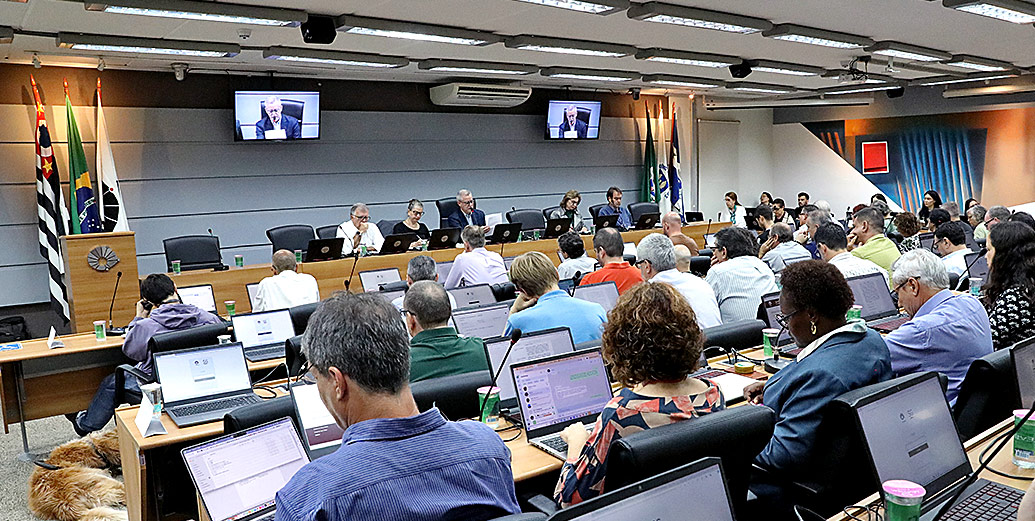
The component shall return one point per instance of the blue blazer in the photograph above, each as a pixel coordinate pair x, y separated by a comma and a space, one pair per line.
292, 128
457, 220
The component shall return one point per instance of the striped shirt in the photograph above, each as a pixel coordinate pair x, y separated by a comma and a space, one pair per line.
739, 284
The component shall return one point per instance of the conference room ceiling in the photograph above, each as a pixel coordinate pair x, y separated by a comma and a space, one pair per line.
916, 22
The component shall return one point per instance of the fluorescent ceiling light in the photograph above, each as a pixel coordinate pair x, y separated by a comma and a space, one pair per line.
908, 52
206, 11
413, 31
949, 80
568, 46
975, 63
681, 81
585, 6
6, 35
693, 17
1013, 11
470, 67
812, 36
791, 69
587, 74
696, 59
102, 43
759, 88
858, 89
349, 59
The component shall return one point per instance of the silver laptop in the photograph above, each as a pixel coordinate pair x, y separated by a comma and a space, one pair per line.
390, 296
372, 280
603, 293
442, 268
474, 295
321, 435
482, 322
202, 384
538, 344
200, 296
978, 265
1023, 356
559, 391
878, 308
263, 334
233, 483
253, 291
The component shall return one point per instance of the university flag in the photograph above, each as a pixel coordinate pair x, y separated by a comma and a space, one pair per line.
649, 192
664, 194
112, 210
80, 191
675, 183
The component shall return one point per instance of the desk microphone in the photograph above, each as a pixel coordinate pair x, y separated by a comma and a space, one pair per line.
979, 255
773, 365
221, 267
709, 227
515, 335
348, 280
115, 331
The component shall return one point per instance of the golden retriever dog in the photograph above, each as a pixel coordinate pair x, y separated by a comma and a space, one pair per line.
75, 482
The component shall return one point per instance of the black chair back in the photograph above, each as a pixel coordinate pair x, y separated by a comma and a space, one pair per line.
641, 208
394, 286
595, 209
385, 226
327, 232
446, 207
456, 396
699, 265
257, 414
504, 291
195, 252
734, 435
530, 219
291, 237
742, 334
548, 211
206, 335
293, 356
987, 394
290, 107
705, 252
300, 316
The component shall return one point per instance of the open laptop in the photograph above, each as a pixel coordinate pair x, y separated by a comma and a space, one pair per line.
475, 295
771, 305
629, 249
372, 279
909, 434
927, 241
558, 391
1022, 354
878, 308
321, 435
324, 249
202, 384
397, 243
253, 290
603, 293
505, 232
391, 295
443, 238
709, 240
200, 296
442, 268
233, 483
507, 261
978, 265
483, 321
605, 221
538, 344
263, 334
556, 227
647, 221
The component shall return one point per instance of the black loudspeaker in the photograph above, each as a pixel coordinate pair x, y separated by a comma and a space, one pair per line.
318, 29
740, 70
895, 93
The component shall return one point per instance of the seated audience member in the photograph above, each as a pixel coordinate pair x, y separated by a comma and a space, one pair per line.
800, 233
937, 217
976, 218
575, 259
569, 209
954, 215
412, 224
833, 248
780, 213
357, 231
889, 222
656, 258
837, 357
995, 215
765, 198
159, 310
467, 215
394, 462
764, 219
435, 348
683, 257
735, 212
824, 206
932, 200
867, 240
951, 242
908, 227
878, 197
652, 344
738, 277
781, 249
813, 220
970, 203
945, 332
1023, 217
1010, 287
614, 207
476, 265
803, 201
672, 227
540, 304
421, 268
609, 249
286, 288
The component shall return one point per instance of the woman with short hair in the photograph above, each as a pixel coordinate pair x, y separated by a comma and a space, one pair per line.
569, 209
412, 224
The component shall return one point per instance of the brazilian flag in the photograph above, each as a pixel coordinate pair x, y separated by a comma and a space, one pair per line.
85, 218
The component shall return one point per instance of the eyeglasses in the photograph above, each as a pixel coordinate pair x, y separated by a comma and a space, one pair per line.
362, 217
784, 319
640, 263
418, 213
900, 286
466, 202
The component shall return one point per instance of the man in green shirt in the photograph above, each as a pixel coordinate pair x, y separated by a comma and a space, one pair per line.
435, 349
869, 241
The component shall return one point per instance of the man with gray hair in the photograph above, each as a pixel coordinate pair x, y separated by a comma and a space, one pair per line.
436, 349
467, 214
813, 220
573, 127
275, 124
656, 259
421, 268
946, 331
358, 232
781, 250
286, 288
996, 214
476, 265
976, 218
361, 362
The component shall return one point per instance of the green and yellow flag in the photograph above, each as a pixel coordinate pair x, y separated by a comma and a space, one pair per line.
85, 218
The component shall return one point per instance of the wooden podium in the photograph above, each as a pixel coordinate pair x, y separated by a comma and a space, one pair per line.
90, 289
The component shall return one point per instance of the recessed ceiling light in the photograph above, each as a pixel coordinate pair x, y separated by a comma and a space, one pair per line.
1013, 11
585, 6
568, 46
103, 43
693, 17
813, 36
206, 11
975, 63
906, 51
949, 80
681, 81
472, 67
696, 59
349, 59
413, 31
587, 74
759, 88
791, 69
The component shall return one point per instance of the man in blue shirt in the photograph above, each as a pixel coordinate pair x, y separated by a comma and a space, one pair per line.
946, 332
614, 207
394, 462
542, 305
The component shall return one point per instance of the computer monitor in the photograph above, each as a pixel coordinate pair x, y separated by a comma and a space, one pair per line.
442, 268
202, 371
1023, 355
391, 295
539, 344
372, 280
709, 240
469, 296
871, 292
321, 435
200, 296
771, 304
603, 293
558, 390
483, 321
264, 328
507, 261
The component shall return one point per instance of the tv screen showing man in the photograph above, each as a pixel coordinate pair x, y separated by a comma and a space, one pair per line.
275, 124
277, 115
573, 120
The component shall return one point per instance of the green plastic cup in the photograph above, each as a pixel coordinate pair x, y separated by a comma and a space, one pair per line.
231, 307
239, 260
902, 500
769, 336
176, 267
99, 331
1024, 441
490, 412
298, 255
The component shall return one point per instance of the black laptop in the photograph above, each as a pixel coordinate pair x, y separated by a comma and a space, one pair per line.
505, 232
324, 249
444, 238
398, 243
605, 221
647, 221
556, 227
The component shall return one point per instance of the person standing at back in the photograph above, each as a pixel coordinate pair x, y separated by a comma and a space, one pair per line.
610, 249
540, 304
286, 288
476, 265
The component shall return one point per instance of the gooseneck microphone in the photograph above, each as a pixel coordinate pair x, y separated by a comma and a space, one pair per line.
355, 261
114, 331
708, 229
515, 335
774, 364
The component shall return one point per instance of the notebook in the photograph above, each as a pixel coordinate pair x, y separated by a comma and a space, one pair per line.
603, 293
263, 333
371, 280
200, 296
202, 384
321, 435
534, 345
482, 322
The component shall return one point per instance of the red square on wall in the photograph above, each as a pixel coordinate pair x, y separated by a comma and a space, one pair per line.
875, 157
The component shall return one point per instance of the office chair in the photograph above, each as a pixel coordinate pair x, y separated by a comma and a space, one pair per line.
293, 108
446, 207
291, 237
293, 356
954, 280
739, 335
694, 217
582, 115
705, 252
641, 208
700, 264
238, 135
504, 291
327, 232
987, 394
257, 414
595, 210
456, 396
548, 211
530, 219
300, 316
385, 226
195, 252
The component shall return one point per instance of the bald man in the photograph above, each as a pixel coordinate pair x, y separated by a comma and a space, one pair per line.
672, 226
285, 289
278, 124
683, 256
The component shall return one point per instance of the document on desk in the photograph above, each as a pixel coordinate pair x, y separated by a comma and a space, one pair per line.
276, 134
492, 219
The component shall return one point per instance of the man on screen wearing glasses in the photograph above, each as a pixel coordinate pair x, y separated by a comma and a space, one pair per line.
275, 124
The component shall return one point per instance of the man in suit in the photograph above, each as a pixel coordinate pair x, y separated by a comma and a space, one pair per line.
275, 119
572, 122
467, 215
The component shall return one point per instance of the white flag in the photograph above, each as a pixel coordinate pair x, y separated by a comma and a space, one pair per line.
113, 211
664, 184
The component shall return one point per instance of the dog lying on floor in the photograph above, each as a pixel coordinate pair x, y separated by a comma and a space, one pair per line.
75, 482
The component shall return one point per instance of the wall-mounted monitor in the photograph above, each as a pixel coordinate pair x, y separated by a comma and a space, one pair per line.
276, 115
573, 120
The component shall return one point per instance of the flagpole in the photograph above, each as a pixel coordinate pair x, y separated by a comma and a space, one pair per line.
96, 167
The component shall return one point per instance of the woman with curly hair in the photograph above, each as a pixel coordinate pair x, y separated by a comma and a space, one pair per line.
652, 343
909, 227
1011, 283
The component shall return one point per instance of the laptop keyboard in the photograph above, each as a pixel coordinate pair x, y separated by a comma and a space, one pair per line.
555, 443
890, 325
264, 353
708, 373
992, 502
226, 403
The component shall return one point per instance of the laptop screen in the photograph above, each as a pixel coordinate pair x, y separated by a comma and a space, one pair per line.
263, 329
927, 241
482, 322
978, 265
771, 303
203, 371
371, 280
476, 295
603, 293
911, 435
319, 430
233, 483
1023, 354
872, 293
531, 346
561, 389
709, 240
390, 296
507, 261
442, 268
200, 296
253, 290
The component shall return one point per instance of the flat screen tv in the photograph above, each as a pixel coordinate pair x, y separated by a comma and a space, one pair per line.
276, 115
573, 120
